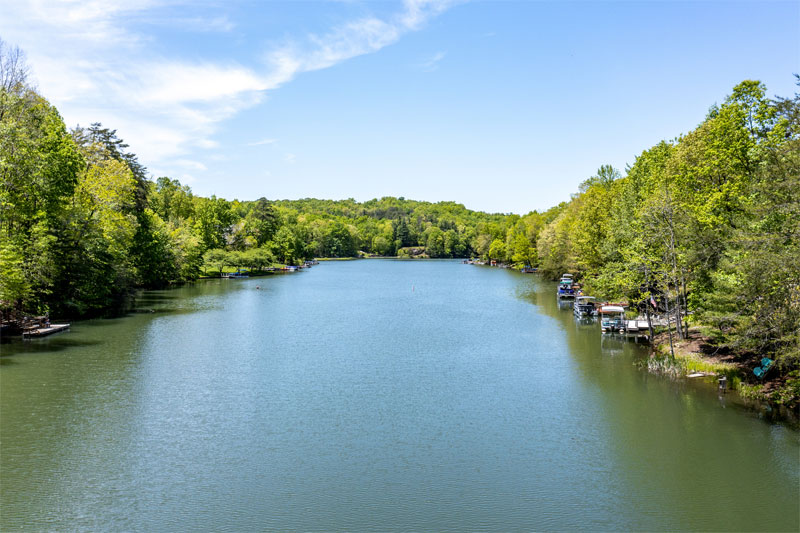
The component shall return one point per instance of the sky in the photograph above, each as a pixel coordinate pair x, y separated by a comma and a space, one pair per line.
503, 106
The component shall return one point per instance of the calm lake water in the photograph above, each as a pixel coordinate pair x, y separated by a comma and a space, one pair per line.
373, 395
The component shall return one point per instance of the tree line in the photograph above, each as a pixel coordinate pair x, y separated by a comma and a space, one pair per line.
82, 224
706, 225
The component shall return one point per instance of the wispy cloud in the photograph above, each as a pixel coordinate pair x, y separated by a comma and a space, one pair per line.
262, 142
206, 144
221, 24
363, 36
290, 158
432, 63
91, 62
193, 165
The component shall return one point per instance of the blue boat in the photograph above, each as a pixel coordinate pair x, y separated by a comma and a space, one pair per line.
566, 287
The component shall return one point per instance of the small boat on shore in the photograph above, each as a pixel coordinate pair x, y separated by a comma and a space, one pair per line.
241, 273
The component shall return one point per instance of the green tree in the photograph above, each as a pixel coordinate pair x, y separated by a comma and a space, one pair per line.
382, 246
213, 220
435, 242
262, 221
14, 287
287, 247
217, 259
497, 250
171, 201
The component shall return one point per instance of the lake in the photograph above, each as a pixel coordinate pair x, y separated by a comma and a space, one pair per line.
373, 395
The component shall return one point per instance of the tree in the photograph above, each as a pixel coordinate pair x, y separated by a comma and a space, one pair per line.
216, 258
186, 252
171, 201
402, 233
287, 247
14, 287
434, 245
522, 251
452, 244
606, 175
497, 250
13, 70
213, 219
262, 221
258, 258
381, 245
109, 146
338, 241
39, 168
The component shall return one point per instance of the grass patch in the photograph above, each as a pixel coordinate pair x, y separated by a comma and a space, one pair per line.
664, 365
686, 363
751, 392
695, 363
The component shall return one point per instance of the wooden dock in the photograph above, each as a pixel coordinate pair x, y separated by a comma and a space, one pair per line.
44, 331
634, 326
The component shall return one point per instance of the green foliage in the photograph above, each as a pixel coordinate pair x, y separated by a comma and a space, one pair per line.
262, 221
14, 287
708, 224
171, 201
497, 250
213, 220
216, 259
789, 393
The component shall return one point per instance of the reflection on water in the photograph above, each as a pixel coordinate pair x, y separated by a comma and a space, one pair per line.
371, 395
611, 344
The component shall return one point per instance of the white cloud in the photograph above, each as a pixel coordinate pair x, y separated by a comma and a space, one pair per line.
168, 82
97, 21
193, 165
359, 37
290, 158
221, 24
206, 144
91, 63
432, 63
262, 142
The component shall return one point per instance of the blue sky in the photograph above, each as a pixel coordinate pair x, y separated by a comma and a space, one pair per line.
502, 106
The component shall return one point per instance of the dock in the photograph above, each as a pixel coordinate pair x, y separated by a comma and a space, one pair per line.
636, 325
44, 331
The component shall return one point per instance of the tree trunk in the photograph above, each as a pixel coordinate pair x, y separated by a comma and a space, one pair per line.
669, 324
647, 304
685, 305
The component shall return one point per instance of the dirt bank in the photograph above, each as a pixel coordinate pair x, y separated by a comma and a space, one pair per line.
698, 354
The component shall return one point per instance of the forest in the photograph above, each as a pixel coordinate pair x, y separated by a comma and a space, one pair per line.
706, 224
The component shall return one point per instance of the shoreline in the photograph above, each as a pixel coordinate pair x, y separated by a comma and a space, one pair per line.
697, 359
